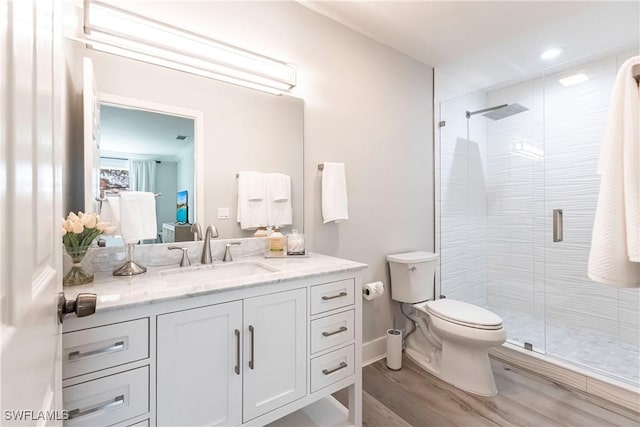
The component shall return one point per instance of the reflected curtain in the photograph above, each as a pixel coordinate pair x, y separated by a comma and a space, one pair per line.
142, 175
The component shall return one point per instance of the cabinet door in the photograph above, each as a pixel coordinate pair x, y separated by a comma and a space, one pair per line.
198, 366
275, 372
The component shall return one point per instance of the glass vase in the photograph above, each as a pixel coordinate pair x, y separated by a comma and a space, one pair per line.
77, 275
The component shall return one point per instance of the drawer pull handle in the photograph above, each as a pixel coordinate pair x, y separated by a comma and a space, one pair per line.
341, 366
115, 347
251, 360
237, 368
337, 331
341, 294
111, 404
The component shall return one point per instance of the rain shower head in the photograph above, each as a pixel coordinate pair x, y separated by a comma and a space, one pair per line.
499, 112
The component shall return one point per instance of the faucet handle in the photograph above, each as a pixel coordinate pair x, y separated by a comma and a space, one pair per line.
214, 231
185, 261
195, 229
227, 251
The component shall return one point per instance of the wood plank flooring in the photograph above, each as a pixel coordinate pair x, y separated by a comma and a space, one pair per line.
412, 397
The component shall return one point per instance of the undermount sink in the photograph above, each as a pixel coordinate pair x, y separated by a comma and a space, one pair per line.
223, 271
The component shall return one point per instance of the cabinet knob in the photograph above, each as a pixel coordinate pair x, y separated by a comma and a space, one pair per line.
83, 305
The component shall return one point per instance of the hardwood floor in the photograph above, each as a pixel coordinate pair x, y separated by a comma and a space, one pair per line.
412, 397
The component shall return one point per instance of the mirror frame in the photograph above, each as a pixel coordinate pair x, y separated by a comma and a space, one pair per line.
198, 138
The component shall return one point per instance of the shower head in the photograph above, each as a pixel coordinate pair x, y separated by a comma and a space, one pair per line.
499, 112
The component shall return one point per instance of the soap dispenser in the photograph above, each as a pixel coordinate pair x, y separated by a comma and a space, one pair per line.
276, 242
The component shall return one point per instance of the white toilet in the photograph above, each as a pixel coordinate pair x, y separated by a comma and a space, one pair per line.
453, 338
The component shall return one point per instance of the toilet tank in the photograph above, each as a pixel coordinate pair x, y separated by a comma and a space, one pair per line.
412, 276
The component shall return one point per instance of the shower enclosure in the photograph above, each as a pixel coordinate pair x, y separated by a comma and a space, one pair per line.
517, 191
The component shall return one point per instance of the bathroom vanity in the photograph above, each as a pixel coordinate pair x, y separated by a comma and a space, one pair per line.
249, 342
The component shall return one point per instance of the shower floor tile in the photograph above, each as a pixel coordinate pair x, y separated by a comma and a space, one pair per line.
602, 353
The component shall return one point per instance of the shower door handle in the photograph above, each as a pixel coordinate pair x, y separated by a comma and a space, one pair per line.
558, 233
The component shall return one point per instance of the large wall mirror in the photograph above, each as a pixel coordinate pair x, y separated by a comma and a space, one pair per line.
196, 134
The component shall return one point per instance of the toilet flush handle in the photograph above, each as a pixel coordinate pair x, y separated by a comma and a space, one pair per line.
412, 268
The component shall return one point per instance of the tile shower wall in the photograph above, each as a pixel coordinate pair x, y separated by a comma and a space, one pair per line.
495, 204
527, 271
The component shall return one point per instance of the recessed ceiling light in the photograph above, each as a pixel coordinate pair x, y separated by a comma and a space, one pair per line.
552, 53
573, 79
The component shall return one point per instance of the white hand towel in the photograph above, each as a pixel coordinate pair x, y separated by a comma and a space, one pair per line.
138, 216
252, 203
615, 245
279, 198
335, 206
111, 212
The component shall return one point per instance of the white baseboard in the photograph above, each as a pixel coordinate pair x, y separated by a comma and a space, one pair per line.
597, 385
374, 350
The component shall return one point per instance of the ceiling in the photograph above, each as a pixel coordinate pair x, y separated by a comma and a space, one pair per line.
143, 133
485, 43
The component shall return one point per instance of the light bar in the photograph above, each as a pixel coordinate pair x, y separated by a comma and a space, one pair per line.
121, 32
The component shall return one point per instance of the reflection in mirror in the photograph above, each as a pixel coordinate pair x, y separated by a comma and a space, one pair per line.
143, 150
238, 129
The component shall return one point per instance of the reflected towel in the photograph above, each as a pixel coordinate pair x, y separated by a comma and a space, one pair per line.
252, 204
138, 216
279, 198
111, 212
335, 206
615, 245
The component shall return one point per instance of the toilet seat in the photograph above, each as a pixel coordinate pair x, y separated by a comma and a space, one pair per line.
463, 314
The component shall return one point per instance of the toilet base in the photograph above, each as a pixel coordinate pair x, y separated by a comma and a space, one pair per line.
466, 368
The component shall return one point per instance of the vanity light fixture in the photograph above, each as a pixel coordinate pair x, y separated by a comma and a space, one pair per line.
117, 31
573, 79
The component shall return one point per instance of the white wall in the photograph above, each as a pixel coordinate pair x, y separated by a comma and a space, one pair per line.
166, 173
185, 180
365, 105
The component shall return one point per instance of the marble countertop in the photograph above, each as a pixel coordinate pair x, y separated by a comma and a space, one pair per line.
165, 283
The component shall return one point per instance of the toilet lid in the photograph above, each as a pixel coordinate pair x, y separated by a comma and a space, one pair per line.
464, 314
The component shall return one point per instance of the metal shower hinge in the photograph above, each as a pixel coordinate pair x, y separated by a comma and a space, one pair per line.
442, 123
528, 346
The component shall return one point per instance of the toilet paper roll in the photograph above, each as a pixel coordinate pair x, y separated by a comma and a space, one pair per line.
372, 290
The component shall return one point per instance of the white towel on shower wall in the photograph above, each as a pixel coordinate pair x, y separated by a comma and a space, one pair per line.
335, 206
615, 245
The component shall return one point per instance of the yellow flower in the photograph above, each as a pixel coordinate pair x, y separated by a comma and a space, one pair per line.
72, 217
77, 227
68, 225
89, 221
101, 226
64, 231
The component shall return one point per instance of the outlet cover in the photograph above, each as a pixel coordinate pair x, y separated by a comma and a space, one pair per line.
223, 213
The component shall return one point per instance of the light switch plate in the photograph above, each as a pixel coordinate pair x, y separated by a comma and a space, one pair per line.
223, 213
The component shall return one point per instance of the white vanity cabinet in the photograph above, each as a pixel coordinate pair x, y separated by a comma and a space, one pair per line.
262, 353
205, 355
198, 366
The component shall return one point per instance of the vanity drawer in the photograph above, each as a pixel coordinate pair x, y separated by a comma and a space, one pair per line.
108, 400
332, 331
331, 368
329, 296
93, 349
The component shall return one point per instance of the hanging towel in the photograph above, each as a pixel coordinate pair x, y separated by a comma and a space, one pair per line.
279, 199
252, 203
111, 212
138, 216
615, 244
335, 206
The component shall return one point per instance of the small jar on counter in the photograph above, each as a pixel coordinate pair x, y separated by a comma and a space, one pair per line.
295, 243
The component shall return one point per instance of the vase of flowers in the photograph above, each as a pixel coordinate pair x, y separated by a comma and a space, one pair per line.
78, 233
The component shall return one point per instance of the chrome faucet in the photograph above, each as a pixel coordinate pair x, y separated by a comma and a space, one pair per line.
227, 251
185, 261
212, 232
197, 231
